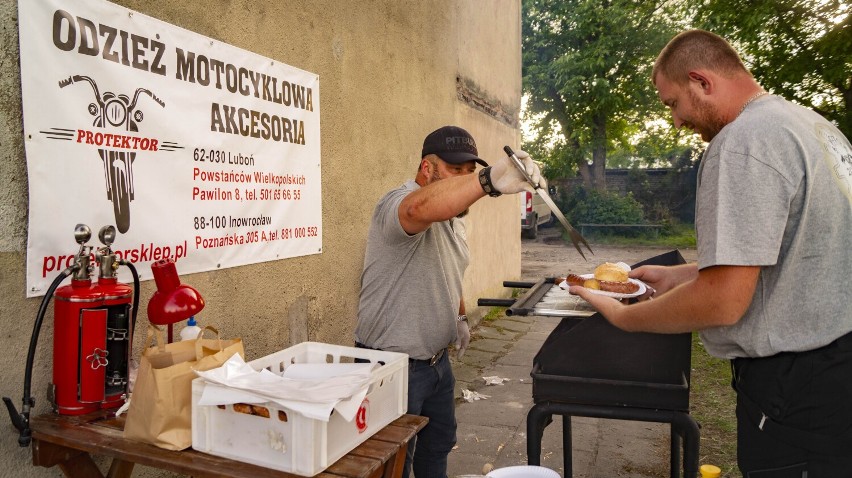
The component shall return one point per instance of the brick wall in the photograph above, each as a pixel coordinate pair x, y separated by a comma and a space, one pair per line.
661, 191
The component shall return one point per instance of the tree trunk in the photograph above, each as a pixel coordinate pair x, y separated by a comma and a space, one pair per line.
845, 122
585, 173
598, 166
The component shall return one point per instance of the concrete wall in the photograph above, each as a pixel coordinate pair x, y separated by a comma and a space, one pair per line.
390, 71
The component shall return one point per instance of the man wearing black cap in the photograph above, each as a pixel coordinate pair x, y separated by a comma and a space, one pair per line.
411, 286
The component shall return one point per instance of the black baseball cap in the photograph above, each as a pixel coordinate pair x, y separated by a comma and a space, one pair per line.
452, 144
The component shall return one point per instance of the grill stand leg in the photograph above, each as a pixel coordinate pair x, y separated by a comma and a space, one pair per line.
537, 419
675, 452
567, 447
683, 427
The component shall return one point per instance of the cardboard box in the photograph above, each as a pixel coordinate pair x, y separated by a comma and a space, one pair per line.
275, 437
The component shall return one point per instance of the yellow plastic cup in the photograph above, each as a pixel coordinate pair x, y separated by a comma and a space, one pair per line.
710, 471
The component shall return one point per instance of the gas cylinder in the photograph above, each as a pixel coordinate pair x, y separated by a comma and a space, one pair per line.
92, 336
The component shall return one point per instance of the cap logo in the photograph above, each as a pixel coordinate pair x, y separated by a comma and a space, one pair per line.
452, 144
459, 141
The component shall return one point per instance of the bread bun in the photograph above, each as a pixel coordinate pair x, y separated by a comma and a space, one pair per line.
592, 284
610, 272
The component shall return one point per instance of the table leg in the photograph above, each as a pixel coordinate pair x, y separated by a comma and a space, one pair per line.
81, 466
73, 463
394, 467
120, 469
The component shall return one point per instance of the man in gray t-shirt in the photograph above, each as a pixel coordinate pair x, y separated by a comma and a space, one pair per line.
411, 286
770, 290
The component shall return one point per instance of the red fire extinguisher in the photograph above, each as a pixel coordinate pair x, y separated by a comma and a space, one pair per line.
93, 334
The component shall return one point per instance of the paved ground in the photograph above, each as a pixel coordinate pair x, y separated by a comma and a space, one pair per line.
492, 431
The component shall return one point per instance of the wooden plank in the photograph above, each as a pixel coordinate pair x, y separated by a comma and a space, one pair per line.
620, 225
395, 434
104, 440
415, 422
655, 228
378, 449
47, 454
67, 441
356, 467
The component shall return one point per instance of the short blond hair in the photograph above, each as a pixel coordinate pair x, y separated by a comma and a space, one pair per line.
694, 49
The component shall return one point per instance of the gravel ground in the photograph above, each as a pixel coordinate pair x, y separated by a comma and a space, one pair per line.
548, 256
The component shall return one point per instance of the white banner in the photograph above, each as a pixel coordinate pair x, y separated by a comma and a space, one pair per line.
193, 149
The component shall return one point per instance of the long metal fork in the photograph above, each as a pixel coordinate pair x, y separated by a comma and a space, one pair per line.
576, 237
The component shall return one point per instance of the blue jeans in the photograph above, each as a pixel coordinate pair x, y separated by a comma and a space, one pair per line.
430, 394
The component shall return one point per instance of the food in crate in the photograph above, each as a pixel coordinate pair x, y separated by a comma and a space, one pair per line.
270, 411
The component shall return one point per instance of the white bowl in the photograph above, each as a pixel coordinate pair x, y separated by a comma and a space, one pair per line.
523, 472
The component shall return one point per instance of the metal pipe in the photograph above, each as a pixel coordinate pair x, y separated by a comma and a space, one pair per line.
495, 302
518, 284
21, 421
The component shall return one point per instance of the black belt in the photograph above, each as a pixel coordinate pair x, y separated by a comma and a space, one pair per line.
431, 360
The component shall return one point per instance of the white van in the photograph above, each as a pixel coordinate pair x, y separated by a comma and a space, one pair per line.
534, 212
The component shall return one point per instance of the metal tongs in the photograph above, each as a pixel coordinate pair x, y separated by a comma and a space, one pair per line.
576, 237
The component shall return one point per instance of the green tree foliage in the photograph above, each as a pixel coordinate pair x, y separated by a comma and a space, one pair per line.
658, 145
799, 49
602, 207
586, 65
586, 70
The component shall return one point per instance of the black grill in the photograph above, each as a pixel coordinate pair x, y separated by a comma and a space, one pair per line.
587, 367
591, 362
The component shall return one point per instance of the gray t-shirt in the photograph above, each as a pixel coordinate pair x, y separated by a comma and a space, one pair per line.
411, 286
775, 190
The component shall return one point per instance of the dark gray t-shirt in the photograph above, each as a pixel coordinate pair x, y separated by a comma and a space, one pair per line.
411, 286
775, 190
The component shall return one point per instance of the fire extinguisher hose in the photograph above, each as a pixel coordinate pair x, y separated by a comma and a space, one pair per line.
21, 421
135, 294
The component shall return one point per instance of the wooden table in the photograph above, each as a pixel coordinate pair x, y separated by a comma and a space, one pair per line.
70, 441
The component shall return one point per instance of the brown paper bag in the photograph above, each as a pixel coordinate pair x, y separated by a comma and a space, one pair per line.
160, 411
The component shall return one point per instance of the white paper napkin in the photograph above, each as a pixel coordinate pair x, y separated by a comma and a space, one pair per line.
311, 389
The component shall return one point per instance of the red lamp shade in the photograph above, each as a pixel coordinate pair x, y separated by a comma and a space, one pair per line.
172, 302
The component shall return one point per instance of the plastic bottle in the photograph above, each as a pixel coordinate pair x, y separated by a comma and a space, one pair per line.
190, 332
710, 471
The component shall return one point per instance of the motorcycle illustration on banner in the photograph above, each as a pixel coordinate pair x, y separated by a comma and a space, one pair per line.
117, 111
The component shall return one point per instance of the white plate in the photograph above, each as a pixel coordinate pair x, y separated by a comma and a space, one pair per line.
616, 295
523, 472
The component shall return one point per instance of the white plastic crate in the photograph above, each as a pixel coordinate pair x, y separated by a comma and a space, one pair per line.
286, 440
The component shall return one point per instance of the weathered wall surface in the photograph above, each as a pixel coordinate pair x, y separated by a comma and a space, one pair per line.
390, 72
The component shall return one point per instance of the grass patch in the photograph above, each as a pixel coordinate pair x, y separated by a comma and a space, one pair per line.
712, 403
493, 314
674, 236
